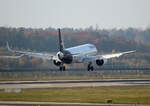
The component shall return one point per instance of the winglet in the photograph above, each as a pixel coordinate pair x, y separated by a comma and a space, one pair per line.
9, 49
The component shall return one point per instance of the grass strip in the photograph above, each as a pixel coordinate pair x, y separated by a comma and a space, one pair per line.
126, 94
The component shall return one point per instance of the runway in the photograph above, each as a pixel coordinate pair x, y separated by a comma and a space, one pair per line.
73, 83
27, 103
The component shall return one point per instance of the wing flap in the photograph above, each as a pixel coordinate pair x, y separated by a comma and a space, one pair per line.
12, 57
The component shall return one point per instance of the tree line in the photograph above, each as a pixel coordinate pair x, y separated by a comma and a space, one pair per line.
106, 41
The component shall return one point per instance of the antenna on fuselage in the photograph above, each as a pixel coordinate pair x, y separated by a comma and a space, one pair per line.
61, 44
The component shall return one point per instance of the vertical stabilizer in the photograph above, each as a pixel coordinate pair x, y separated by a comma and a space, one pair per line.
61, 45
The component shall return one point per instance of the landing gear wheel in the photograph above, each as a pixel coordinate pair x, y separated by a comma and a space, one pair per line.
62, 68
90, 67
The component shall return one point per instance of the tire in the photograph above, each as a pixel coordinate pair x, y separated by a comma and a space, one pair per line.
88, 68
60, 68
63, 68
92, 68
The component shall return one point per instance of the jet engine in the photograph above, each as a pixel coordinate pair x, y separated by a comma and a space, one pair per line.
65, 56
57, 63
100, 62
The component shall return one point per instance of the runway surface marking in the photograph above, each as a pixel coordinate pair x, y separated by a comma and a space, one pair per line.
73, 83
63, 103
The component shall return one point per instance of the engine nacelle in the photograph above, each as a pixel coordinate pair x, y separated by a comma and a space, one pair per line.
65, 56
100, 62
57, 63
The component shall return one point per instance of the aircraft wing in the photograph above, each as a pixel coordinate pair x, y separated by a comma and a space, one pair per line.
46, 56
114, 55
105, 56
37, 55
12, 57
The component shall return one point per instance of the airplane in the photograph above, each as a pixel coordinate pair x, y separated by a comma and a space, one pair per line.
86, 53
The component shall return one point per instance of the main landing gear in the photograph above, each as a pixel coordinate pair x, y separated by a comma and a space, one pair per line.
62, 68
90, 67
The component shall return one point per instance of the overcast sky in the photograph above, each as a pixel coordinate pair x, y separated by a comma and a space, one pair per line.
75, 13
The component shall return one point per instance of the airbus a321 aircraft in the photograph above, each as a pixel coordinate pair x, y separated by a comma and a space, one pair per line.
86, 53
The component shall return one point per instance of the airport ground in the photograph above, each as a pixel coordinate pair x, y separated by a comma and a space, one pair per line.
29, 75
118, 95
55, 88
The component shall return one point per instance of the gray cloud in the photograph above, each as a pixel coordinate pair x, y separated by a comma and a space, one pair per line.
75, 13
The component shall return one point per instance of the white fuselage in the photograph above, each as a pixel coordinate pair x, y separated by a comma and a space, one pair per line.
86, 49
82, 50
